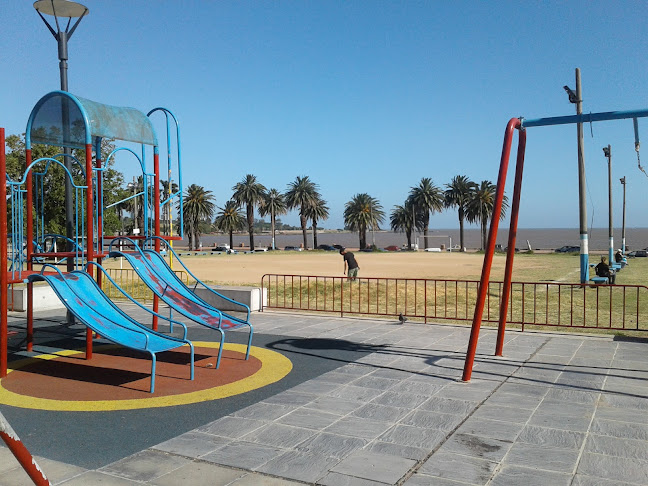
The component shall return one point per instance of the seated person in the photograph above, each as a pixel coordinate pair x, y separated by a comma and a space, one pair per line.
620, 259
603, 270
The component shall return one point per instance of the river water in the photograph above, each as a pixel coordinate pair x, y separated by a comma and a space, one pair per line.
538, 238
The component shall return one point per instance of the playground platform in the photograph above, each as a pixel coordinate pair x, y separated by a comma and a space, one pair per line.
367, 402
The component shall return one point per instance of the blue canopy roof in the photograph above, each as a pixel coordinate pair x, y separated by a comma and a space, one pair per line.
65, 120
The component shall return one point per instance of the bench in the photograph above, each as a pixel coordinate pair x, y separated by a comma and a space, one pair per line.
599, 280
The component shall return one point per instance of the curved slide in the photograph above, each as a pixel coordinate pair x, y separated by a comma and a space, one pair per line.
160, 278
82, 296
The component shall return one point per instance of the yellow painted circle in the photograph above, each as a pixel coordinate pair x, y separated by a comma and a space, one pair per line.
274, 367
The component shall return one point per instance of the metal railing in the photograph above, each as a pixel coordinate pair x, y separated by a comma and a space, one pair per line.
612, 307
130, 282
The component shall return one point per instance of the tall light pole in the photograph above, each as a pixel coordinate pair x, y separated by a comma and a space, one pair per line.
71, 10
577, 99
623, 248
607, 151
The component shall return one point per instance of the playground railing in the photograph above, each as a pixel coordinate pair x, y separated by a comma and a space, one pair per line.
128, 280
609, 307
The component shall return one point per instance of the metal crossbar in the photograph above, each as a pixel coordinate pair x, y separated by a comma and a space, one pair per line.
609, 307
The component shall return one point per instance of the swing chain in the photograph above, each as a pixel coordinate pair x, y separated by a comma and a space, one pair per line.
637, 144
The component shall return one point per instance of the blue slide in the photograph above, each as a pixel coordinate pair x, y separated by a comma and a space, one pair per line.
160, 278
82, 296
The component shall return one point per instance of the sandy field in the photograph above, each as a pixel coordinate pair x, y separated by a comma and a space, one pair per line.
249, 268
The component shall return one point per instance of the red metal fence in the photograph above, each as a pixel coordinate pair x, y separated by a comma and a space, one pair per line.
614, 307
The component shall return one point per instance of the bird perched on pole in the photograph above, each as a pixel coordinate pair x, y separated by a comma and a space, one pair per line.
572, 96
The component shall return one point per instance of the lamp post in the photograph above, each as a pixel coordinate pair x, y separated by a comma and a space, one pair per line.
607, 151
69, 10
623, 246
272, 217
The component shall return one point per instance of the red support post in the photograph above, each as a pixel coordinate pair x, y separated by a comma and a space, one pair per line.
89, 232
515, 210
4, 287
490, 249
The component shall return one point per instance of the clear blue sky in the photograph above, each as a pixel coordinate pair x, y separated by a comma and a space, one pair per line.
362, 96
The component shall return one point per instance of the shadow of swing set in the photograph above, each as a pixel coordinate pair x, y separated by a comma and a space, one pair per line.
62, 119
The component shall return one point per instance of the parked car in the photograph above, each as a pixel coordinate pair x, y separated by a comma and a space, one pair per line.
392, 248
638, 253
568, 249
293, 248
224, 249
326, 248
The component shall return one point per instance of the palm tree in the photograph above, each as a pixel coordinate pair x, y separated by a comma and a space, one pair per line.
302, 194
361, 212
229, 219
198, 206
457, 194
249, 192
427, 198
317, 212
480, 207
274, 203
404, 219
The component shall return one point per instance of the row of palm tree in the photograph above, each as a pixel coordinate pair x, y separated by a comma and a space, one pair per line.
474, 203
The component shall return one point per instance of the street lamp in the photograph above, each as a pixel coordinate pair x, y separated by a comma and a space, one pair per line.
623, 245
607, 151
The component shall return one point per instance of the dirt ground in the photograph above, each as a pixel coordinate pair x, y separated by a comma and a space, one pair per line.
249, 268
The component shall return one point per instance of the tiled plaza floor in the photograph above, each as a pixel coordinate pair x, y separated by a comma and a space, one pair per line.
558, 409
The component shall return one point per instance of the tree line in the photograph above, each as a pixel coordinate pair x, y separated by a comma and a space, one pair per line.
474, 203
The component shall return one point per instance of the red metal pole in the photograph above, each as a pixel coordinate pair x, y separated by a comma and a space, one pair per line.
515, 210
156, 215
490, 249
4, 277
30, 238
89, 232
21, 453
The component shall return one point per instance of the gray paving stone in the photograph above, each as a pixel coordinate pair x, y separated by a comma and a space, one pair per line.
615, 428
279, 435
526, 390
419, 386
476, 446
338, 406
193, 444
563, 439
491, 428
573, 396
254, 479
309, 418
374, 467
632, 416
315, 387
447, 465
397, 450
331, 445
463, 391
263, 411
582, 480
244, 455
560, 421
515, 475
337, 479
300, 466
145, 466
448, 405
425, 480
359, 427
614, 468
542, 457
351, 392
502, 413
613, 446
12, 473
92, 477
433, 420
621, 401
232, 427
413, 436
382, 413
401, 399
377, 382
293, 399
198, 474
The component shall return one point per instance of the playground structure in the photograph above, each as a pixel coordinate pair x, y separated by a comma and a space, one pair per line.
521, 124
62, 119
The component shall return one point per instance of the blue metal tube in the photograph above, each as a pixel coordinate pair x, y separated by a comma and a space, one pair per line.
584, 118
